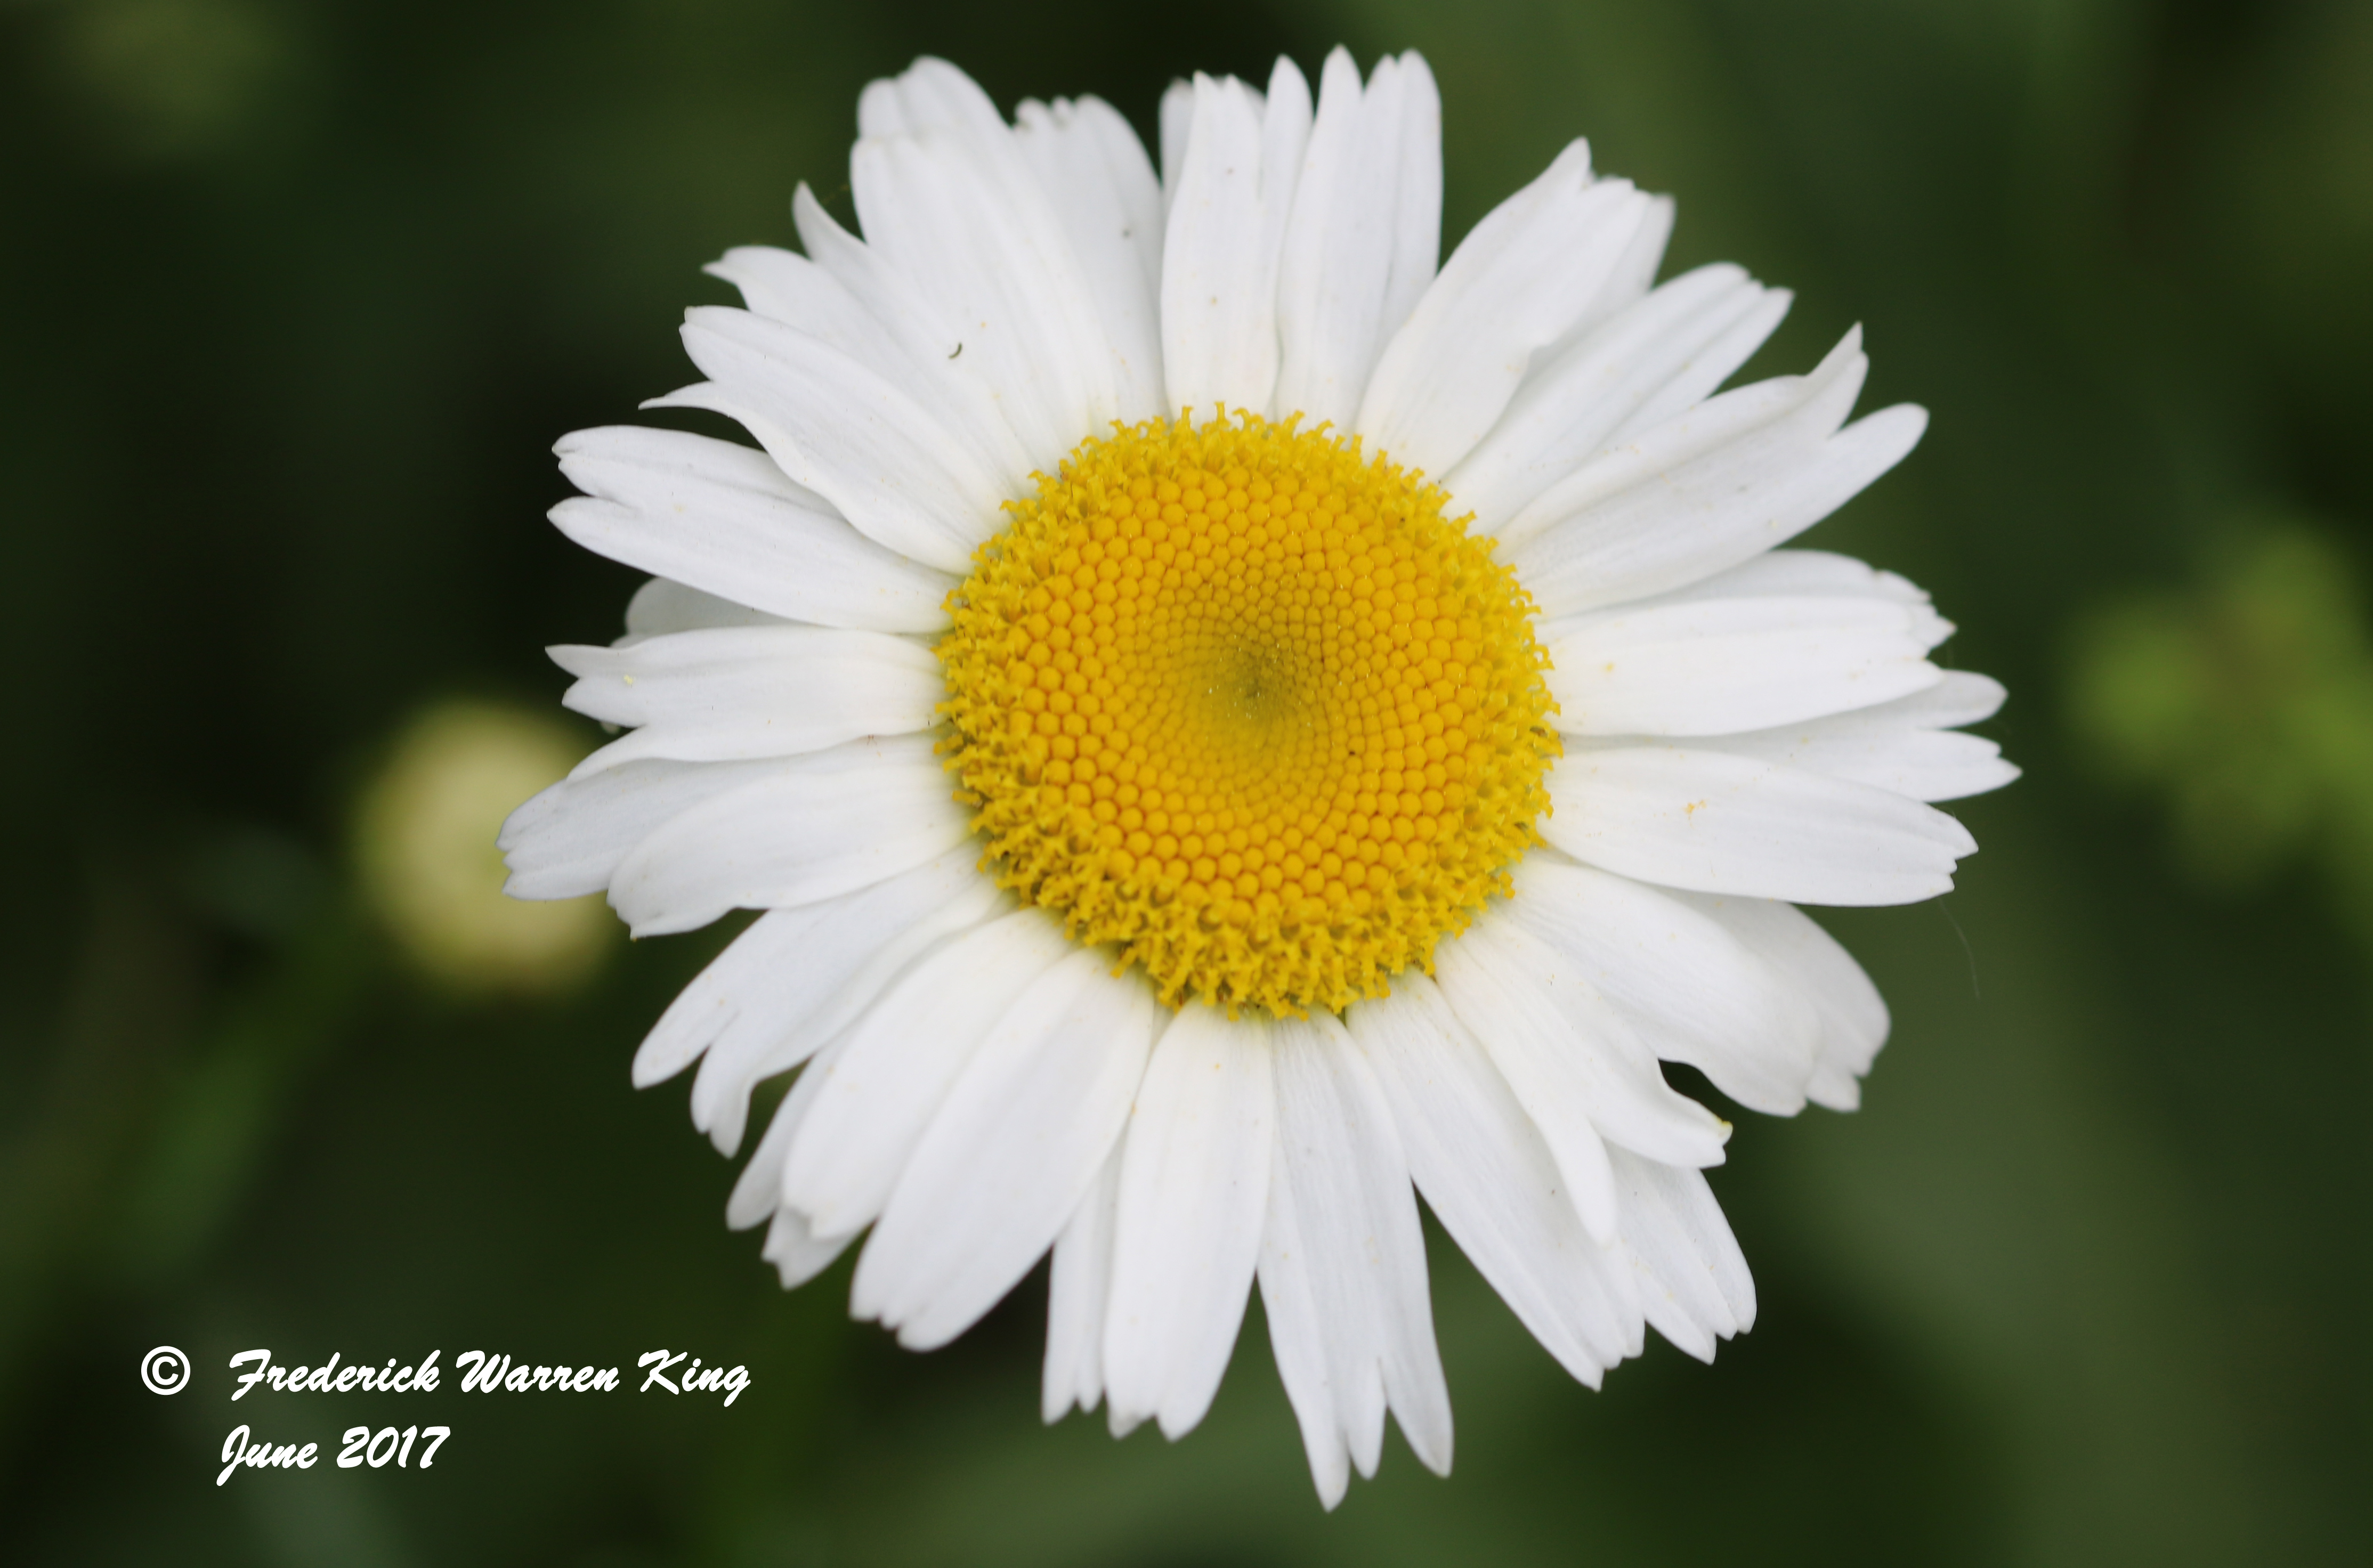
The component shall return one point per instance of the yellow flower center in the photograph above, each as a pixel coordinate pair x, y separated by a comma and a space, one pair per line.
1242, 703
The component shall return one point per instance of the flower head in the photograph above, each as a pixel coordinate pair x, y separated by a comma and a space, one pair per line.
1231, 727
1249, 709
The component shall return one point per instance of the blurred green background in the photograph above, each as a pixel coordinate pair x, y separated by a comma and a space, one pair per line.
293, 299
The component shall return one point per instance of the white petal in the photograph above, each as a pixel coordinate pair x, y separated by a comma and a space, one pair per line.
1901, 745
1575, 1064
1492, 1181
1286, 114
1809, 408
1709, 488
963, 217
831, 961
1177, 124
847, 297
1331, 271
927, 362
663, 606
933, 101
1711, 667
1077, 1283
796, 1255
568, 840
1696, 1288
842, 429
1301, 1335
930, 95
1416, 241
1335, 276
1097, 177
724, 520
1962, 697
1219, 325
1790, 574
733, 692
1854, 1021
805, 828
1714, 823
1694, 992
1812, 574
1542, 1081
1016, 211
1867, 747
1014, 1148
775, 974
1227, 215
1514, 286
1680, 343
1634, 273
888, 1077
1194, 1188
1342, 1264
758, 1192
786, 286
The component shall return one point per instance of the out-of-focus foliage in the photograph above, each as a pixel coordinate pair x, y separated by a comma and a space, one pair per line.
2248, 701
298, 297
173, 80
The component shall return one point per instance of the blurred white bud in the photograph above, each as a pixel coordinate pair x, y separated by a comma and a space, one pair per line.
425, 832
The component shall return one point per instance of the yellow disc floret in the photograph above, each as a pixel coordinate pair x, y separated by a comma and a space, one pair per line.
1240, 701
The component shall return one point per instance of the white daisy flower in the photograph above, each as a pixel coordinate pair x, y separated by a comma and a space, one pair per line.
1231, 727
